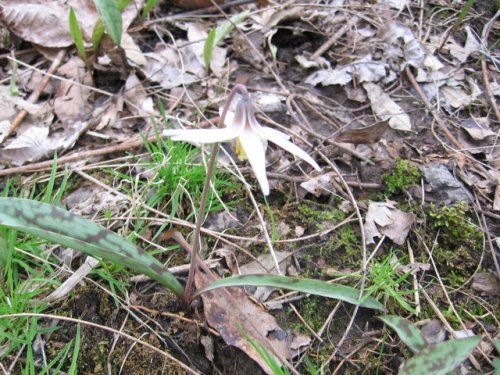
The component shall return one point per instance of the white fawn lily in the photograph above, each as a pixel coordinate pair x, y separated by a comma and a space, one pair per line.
250, 135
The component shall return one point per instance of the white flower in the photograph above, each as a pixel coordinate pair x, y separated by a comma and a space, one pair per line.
253, 137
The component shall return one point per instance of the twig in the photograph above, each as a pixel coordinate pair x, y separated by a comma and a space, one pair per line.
418, 308
35, 94
333, 39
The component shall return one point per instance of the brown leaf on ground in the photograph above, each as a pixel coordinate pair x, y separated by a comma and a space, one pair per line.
231, 313
45, 22
383, 218
72, 99
371, 134
486, 283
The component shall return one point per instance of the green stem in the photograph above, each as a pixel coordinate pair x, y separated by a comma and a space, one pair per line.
242, 90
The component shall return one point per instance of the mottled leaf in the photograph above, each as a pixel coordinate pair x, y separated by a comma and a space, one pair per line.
316, 287
441, 358
63, 227
406, 331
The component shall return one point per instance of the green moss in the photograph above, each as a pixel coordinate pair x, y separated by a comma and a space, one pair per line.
403, 176
454, 227
319, 214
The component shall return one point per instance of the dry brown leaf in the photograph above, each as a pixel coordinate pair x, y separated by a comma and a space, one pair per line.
230, 312
365, 70
72, 99
386, 108
45, 22
371, 134
265, 264
383, 218
139, 103
319, 185
496, 200
477, 128
486, 283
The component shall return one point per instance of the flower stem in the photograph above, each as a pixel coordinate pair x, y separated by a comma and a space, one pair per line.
242, 90
199, 221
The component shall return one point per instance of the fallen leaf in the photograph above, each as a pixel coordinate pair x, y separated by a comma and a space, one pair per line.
385, 108
455, 97
487, 283
232, 314
136, 98
319, 185
72, 99
445, 184
472, 45
45, 22
383, 218
265, 264
477, 128
364, 69
368, 135
433, 332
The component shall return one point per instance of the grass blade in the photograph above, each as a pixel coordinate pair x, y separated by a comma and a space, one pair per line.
406, 331
440, 359
111, 18
316, 287
76, 350
63, 227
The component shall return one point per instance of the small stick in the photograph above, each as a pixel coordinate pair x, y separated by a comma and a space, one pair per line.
36, 93
333, 39
487, 87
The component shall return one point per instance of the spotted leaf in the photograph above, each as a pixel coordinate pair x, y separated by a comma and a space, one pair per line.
57, 225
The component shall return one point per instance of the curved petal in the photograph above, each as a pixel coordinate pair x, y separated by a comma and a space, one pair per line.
288, 146
204, 135
258, 128
209, 135
255, 151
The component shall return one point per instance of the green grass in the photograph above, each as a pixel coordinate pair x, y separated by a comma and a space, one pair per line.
387, 284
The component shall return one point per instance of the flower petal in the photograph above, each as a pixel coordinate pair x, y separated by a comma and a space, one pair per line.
203, 135
288, 146
258, 128
256, 154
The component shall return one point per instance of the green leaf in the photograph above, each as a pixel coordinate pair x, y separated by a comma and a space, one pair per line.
76, 350
218, 33
406, 331
4, 251
209, 47
57, 225
76, 33
441, 358
97, 34
147, 8
111, 18
316, 287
